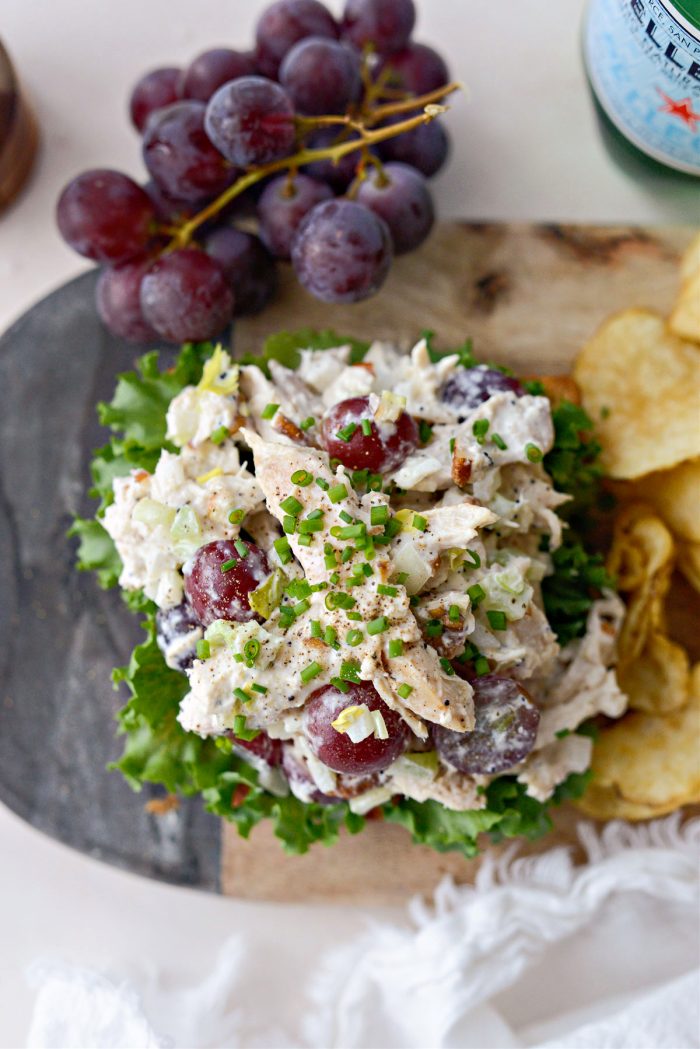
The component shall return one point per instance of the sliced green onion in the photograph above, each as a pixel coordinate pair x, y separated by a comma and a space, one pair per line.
289, 524
454, 614
378, 625
356, 617
399, 577
241, 694
353, 531
251, 650
342, 686
269, 410
476, 594
219, 435
480, 429
259, 688
334, 578
498, 441
308, 526
452, 445
350, 671
497, 619
337, 493
338, 599
322, 484
420, 522
347, 555
345, 516
330, 561
379, 515
366, 427
395, 648
374, 483
282, 550
353, 638
314, 515
292, 506
310, 672
533, 453
241, 732
302, 478
203, 649
241, 549
330, 635
346, 432
316, 628
236, 516
387, 591
404, 691
306, 424
301, 607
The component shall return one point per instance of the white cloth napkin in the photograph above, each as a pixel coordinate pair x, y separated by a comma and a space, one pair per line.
540, 953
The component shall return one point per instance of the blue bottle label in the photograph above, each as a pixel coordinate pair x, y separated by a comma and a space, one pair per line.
643, 60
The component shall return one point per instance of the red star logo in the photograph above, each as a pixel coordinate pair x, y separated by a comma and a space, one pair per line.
681, 109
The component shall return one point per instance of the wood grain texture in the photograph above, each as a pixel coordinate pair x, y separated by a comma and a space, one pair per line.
528, 296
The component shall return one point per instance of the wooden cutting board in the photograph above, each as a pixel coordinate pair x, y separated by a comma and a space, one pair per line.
528, 296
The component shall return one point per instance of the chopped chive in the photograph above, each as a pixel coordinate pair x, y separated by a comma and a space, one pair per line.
251, 650
310, 672
337, 599
236, 516
306, 424
366, 427
374, 483
238, 657
322, 484
259, 688
241, 694
395, 648
379, 515
308, 526
345, 516
404, 691
346, 432
473, 559
337, 493
329, 561
228, 565
292, 506
353, 638
378, 625
480, 429
454, 614
476, 594
497, 619
314, 515
282, 550
498, 441
356, 617
330, 635
269, 410
533, 453
241, 548
334, 578
219, 435
399, 577
301, 607
241, 732
447, 666
353, 531
298, 588
203, 649
414, 600
434, 628
316, 628
289, 524
425, 431
341, 685
452, 445
563, 733
420, 522
302, 478
481, 666
350, 671
347, 555
387, 591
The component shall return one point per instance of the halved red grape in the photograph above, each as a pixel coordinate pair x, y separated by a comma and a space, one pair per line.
180, 157
283, 205
336, 749
467, 388
263, 747
417, 69
219, 579
210, 70
248, 265
156, 89
505, 730
105, 216
283, 24
382, 450
342, 251
118, 298
185, 296
321, 76
387, 24
301, 781
399, 195
425, 147
251, 121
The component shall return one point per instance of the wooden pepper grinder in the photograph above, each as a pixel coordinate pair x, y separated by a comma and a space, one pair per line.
18, 133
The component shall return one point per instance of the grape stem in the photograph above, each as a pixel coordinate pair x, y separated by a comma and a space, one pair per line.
367, 136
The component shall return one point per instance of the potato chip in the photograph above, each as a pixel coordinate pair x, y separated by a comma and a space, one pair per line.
685, 315
650, 762
558, 388
675, 494
690, 260
657, 681
641, 386
689, 563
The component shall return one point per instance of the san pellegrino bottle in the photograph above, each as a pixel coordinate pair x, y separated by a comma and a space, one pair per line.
642, 59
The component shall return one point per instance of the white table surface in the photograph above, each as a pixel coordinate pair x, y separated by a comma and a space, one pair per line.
526, 146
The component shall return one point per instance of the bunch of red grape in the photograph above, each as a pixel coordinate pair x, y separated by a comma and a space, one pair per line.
331, 97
